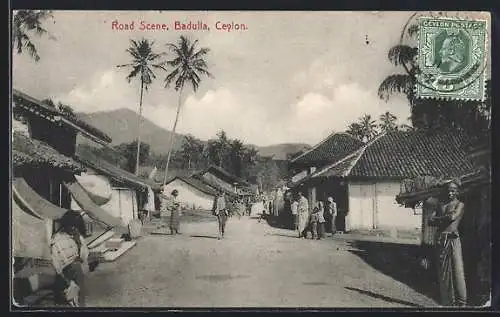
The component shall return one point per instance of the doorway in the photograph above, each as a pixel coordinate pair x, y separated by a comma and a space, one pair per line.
337, 189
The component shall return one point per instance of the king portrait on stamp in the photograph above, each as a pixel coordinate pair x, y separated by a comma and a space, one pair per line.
236, 160
451, 59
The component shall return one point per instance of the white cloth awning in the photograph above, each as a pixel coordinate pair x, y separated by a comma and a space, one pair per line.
90, 207
96, 186
29, 234
29, 200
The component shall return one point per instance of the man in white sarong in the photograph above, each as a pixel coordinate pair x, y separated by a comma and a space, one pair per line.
303, 212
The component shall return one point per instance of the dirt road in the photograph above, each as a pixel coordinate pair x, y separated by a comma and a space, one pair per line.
254, 266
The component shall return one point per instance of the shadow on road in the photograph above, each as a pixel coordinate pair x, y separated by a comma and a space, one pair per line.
315, 283
202, 236
383, 297
221, 277
290, 235
278, 222
400, 262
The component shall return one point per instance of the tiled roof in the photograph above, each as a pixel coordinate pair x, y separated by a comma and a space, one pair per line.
117, 173
212, 185
409, 154
333, 148
37, 107
232, 178
201, 186
339, 169
342, 167
30, 152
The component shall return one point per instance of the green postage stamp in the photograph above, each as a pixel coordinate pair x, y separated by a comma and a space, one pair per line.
451, 58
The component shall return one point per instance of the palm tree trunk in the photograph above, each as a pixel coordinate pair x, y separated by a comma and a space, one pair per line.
139, 132
172, 136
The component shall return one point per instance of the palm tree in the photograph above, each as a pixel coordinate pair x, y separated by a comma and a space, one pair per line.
404, 56
364, 129
368, 126
144, 60
388, 122
355, 130
188, 64
23, 22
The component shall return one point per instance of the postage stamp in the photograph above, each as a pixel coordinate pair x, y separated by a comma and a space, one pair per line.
451, 59
218, 159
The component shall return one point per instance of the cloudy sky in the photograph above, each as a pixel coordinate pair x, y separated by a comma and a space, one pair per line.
290, 77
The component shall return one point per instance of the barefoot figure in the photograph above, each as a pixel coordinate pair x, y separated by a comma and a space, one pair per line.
221, 212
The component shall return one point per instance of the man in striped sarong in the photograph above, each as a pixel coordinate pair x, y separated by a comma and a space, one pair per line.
450, 263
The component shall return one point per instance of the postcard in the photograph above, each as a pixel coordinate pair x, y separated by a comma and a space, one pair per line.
251, 159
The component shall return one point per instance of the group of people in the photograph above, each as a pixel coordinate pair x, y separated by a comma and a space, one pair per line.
318, 220
170, 211
70, 254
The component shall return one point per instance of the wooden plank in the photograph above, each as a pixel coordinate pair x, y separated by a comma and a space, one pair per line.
111, 256
101, 239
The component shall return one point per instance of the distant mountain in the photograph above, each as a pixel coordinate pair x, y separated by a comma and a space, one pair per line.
121, 126
280, 151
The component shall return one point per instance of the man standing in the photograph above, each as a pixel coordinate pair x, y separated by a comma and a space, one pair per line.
321, 220
164, 205
175, 213
331, 211
221, 212
451, 267
294, 206
303, 212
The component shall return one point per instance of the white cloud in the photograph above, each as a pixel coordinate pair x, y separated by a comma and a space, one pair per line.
330, 101
106, 90
316, 115
332, 76
324, 104
205, 115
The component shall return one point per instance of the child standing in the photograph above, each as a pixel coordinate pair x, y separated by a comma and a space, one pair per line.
321, 220
314, 222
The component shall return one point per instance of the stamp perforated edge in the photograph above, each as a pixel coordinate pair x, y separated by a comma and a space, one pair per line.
481, 78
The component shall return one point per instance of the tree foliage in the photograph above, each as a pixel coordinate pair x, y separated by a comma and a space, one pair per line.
364, 129
129, 150
188, 64
367, 128
24, 23
388, 122
191, 152
144, 61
